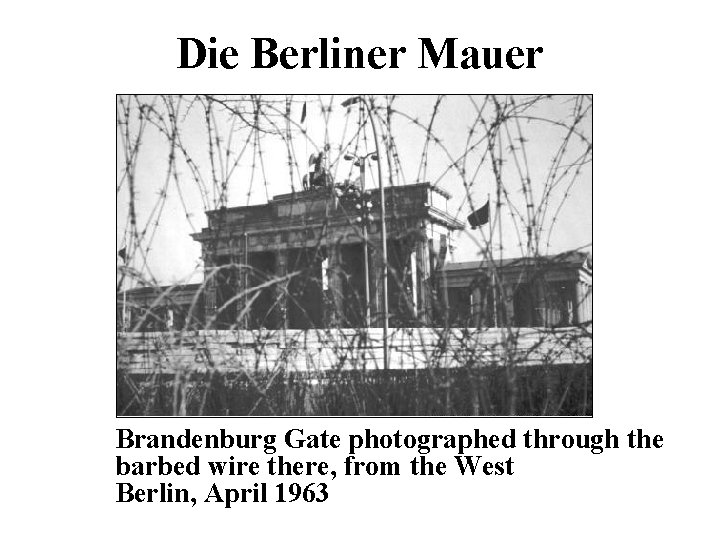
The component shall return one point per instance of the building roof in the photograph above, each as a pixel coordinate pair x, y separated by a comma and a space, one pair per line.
190, 287
319, 206
568, 258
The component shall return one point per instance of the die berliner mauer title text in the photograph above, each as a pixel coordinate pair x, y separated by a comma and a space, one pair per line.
329, 53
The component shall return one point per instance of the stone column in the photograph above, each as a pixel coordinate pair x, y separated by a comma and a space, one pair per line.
241, 310
580, 303
444, 299
281, 262
210, 291
509, 305
376, 273
414, 284
476, 305
541, 303
335, 292
423, 293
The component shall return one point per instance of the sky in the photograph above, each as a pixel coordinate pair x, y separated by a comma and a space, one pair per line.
252, 160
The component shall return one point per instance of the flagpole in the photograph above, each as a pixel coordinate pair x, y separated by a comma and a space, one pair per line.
480, 305
124, 309
383, 232
123, 284
498, 211
494, 269
125, 281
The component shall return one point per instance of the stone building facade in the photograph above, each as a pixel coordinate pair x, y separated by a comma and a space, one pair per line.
301, 260
159, 309
550, 291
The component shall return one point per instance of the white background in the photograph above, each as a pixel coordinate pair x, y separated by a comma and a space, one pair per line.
652, 72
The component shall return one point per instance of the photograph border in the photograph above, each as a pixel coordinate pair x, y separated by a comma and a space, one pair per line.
592, 367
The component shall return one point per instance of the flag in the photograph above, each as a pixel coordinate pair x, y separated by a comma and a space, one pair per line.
123, 254
304, 113
480, 216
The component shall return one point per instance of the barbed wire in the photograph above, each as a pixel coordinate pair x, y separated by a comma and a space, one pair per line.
530, 156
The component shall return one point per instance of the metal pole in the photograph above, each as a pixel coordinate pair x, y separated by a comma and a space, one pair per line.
365, 242
126, 285
494, 271
245, 277
124, 310
383, 237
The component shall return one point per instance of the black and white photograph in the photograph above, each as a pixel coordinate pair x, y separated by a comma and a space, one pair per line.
379, 255
354, 255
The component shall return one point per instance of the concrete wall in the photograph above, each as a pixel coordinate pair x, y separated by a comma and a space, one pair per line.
312, 350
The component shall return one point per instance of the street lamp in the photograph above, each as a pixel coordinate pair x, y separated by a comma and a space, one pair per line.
364, 206
383, 233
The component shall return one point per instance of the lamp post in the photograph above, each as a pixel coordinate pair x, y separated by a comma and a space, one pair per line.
364, 206
383, 232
